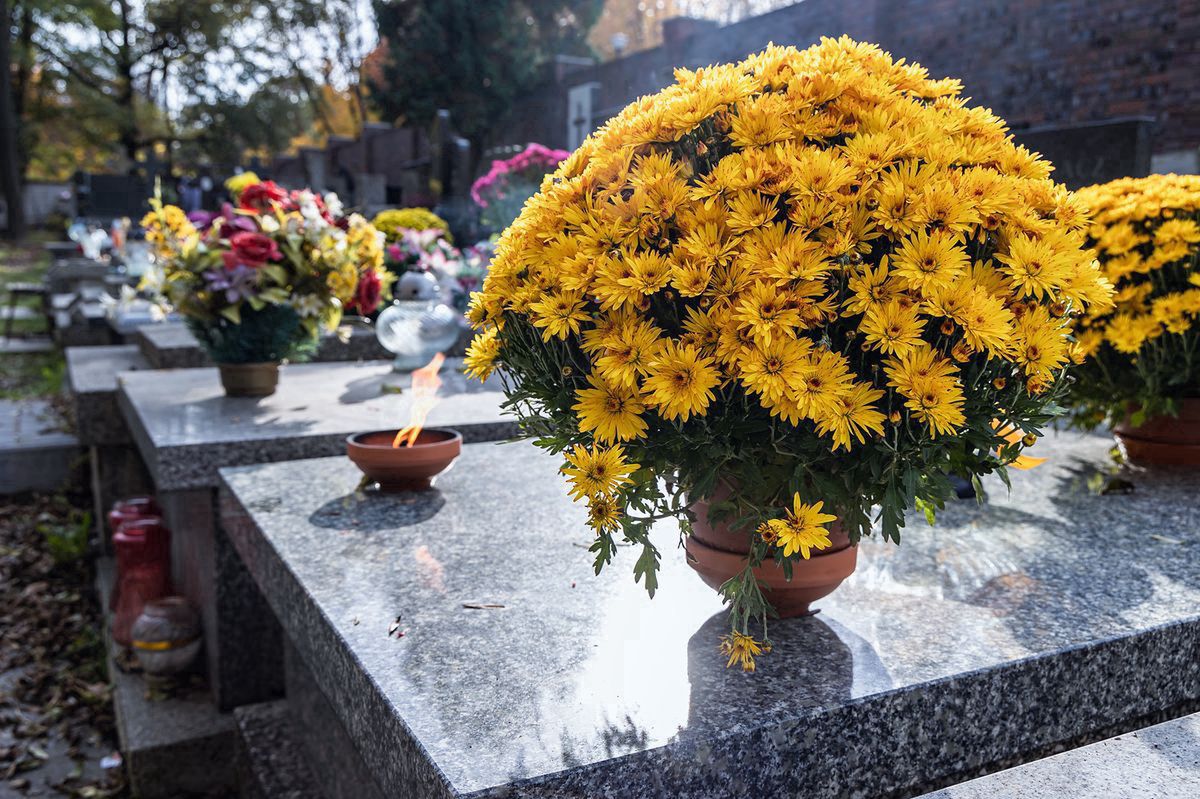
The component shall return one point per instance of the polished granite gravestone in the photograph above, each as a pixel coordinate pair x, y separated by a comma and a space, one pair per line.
170, 345
92, 376
186, 428
461, 642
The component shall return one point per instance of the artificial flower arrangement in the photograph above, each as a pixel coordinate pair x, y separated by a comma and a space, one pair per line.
428, 248
781, 297
1143, 364
257, 281
508, 183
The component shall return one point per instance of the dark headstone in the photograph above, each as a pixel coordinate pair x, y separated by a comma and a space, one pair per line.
117, 195
1095, 152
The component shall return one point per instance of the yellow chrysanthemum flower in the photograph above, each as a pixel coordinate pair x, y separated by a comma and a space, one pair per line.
481, 355
802, 529
604, 513
611, 411
681, 381
394, 221
742, 649
597, 472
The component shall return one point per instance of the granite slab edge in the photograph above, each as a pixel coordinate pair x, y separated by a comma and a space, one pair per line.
886, 743
908, 740
93, 392
388, 746
140, 435
1160, 761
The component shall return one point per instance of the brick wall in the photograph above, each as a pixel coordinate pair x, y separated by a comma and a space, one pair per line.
1038, 62
1034, 62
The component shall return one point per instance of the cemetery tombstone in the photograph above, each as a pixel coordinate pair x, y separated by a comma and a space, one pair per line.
456, 642
1092, 153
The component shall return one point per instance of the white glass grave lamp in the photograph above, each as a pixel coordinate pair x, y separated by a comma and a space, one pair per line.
417, 325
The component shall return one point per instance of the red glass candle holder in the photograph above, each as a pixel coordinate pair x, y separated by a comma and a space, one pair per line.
125, 510
143, 548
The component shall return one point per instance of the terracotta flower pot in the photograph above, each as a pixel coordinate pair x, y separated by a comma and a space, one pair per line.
249, 379
717, 553
404, 468
1163, 440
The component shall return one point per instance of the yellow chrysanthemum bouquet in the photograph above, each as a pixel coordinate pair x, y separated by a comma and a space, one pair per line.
1143, 355
803, 287
393, 222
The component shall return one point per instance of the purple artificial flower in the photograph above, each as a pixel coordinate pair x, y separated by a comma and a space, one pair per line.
202, 219
238, 282
234, 223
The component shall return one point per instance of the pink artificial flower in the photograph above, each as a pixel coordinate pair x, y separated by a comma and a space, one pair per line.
534, 155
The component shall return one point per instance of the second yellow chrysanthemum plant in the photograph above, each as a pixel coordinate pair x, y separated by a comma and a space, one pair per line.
1143, 354
816, 277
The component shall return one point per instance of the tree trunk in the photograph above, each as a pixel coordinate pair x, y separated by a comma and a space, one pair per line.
10, 128
125, 93
24, 61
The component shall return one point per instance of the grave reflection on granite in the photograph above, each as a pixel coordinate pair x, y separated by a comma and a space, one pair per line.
517, 663
404, 509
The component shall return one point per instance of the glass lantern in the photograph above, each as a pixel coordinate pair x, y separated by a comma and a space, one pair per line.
417, 325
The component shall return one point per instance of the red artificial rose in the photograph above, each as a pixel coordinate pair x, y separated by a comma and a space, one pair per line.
367, 295
251, 249
259, 196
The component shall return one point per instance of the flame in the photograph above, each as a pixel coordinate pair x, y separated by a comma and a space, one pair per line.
425, 384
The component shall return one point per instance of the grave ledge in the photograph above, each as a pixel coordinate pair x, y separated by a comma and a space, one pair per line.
185, 428
977, 644
171, 746
1158, 762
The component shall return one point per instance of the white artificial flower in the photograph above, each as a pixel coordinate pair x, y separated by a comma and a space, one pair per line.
307, 203
269, 224
124, 302
307, 305
152, 278
334, 204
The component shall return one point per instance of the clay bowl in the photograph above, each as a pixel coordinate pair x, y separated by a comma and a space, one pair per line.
1163, 440
404, 468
